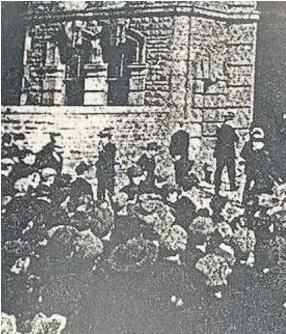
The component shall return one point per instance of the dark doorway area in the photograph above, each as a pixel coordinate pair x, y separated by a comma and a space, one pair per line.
13, 28
119, 72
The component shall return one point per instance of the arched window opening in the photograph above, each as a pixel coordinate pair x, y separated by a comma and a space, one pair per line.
122, 67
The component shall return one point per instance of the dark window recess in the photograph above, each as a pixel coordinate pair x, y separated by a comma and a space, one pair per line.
119, 73
74, 82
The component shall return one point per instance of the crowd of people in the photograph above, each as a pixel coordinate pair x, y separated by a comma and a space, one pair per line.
57, 230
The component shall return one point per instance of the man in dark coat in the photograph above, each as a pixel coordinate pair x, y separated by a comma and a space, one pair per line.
49, 156
136, 176
147, 163
225, 153
180, 143
105, 166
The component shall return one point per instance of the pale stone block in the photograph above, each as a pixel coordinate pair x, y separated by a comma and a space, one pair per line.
194, 114
240, 96
95, 83
136, 98
95, 98
215, 101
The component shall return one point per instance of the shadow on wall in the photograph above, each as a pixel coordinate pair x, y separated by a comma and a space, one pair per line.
270, 98
12, 44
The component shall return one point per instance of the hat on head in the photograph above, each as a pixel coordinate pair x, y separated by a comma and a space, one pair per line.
7, 162
19, 136
229, 116
134, 171
169, 189
257, 133
48, 171
106, 132
153, 146
81, 168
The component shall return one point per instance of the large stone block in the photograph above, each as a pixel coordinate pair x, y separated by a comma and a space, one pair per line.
209, 129
215, 101
213, 115
240, 96
95, 98
240, 75
241, 54
178, 82
194, 114
242, 33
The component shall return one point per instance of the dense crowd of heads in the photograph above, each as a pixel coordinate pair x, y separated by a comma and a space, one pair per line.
53, 225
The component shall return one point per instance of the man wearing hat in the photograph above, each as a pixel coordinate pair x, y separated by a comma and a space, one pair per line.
225, 152
259, 169
50, 155
136, 176
105, 165
180, 143
147, 162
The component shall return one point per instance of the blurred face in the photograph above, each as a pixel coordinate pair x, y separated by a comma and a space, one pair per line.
177, 157
104, 140
84, 203
172, 197
257, 145
49, 180
20, 144
7, 170
29, 159
176, 239
138, 179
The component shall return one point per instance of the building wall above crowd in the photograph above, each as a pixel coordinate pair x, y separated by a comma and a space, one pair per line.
195, 58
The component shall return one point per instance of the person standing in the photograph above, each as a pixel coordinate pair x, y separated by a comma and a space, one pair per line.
261, 175
180, 142
224, 153
105, 166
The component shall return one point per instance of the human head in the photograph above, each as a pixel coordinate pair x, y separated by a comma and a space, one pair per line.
229, 116
171, 193
106, 135
257, 134
135, 174
203, 212
18, 139
6, 138
48, 176
6, 166
29, 158
152, 148
119, 201
175, 239
81, 168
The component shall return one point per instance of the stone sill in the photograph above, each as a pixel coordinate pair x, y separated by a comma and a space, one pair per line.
85, 110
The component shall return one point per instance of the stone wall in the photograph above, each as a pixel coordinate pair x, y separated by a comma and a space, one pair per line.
79, 128
134, 128
158, 33
222, 65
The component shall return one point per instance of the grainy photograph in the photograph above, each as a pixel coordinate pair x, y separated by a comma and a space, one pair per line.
143, 167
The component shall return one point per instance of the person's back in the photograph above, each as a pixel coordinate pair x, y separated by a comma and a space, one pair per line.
226, 138
180, 142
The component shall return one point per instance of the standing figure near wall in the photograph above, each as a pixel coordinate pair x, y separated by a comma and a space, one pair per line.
105, 166
180, 143
147, 163
225, 153
50, 155
261, 175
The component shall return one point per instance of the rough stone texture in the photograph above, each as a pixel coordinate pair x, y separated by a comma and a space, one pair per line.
158, 32
196, 62
223, 56
79, 128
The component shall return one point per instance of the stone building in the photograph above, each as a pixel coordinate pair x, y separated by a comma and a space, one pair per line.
182, 60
